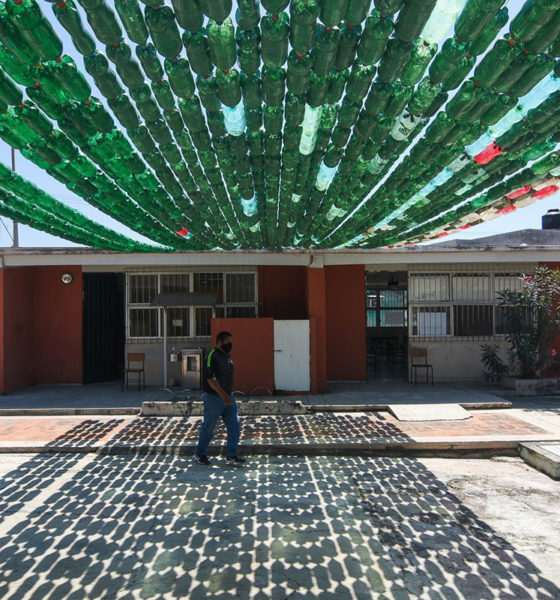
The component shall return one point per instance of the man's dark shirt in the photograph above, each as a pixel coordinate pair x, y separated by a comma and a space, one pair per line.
218, 364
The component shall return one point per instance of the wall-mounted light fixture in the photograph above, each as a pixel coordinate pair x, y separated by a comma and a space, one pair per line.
67, 277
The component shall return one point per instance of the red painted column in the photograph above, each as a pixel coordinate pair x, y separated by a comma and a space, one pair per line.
2, 318
317, 311
346, 322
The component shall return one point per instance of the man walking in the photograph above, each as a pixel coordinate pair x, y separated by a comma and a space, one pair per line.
219, 402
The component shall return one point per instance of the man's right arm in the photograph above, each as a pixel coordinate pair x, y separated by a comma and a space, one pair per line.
215, 385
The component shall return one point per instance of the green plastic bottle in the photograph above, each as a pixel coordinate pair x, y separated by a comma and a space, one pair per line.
142, 139
325, 49
375, 36
332, 12
476, 15
480, 44
356, 11
180, 77
539, 67
347, 46
71, 79
196, 44
29, 112
274, 43
394, 60
273, 85
254, 120
496, 61
303, 22
532, 17
273, 117
249, 59
359, 81
148, 57
425, 94
34, 28
421, 55
338, 81
132, 20
251, 87
14, 42
379, 96
163, 94
188, 14
452, 52
192, 114
229, 89
103, 22
44, 101
458, 75
96, 114
398, 101
412, 18
247, 14
217, 10
318, 89
547, 36
275, 7
349, 112
124, 111
436, 104
298, 73
9, 92
364, 125
221, 39
294, 109
164, 31
388, 7
68, 16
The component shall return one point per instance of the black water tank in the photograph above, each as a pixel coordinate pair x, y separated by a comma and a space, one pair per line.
552, 219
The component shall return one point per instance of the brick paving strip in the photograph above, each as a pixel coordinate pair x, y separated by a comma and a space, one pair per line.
322, 433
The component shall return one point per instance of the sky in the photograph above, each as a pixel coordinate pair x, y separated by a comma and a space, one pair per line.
525, 218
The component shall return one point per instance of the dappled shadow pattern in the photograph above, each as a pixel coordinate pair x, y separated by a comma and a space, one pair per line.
154, 527
86, 433
325, 428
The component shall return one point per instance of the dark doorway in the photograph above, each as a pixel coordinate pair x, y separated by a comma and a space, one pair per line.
387, 324
103, 326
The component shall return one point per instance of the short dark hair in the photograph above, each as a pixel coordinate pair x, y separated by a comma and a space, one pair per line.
222, 336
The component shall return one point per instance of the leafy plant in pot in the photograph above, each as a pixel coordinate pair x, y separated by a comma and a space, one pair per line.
532, 318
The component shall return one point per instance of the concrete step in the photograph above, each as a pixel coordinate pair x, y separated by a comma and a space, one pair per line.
544, 456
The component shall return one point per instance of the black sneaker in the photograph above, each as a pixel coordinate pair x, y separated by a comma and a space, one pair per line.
202, 459
236, 461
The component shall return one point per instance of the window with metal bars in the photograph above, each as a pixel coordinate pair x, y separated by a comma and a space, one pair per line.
463, 303
236, 298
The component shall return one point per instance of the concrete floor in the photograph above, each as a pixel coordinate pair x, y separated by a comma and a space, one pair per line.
375, 391
326, 528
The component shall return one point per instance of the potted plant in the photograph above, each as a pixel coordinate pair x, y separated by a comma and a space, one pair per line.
532, 318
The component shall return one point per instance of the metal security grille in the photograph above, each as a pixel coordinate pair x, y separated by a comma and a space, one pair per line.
460, 301
236, 298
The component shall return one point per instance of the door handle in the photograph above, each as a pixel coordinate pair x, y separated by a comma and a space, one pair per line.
278, 351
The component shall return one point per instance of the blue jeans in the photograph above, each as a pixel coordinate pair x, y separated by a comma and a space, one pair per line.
214, 408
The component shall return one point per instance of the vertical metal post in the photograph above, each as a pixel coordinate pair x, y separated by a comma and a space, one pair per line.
15, 236
165, 346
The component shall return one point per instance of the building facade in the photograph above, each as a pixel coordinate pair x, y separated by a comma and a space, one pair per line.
299, 319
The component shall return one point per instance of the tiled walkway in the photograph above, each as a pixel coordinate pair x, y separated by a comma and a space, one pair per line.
74, 432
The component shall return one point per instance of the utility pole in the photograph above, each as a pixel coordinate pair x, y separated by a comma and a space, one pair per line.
15, 236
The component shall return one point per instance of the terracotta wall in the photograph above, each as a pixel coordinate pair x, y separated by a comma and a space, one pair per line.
252, 353
57, 325
18, 365
316, 303
346, 322
282, 292
554, 369
41, 327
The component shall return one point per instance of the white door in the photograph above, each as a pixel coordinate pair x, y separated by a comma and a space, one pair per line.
291, 356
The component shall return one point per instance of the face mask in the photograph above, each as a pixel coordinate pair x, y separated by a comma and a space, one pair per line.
227, 347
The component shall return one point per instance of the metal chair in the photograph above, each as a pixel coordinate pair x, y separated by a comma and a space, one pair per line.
419, 360
134, 358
